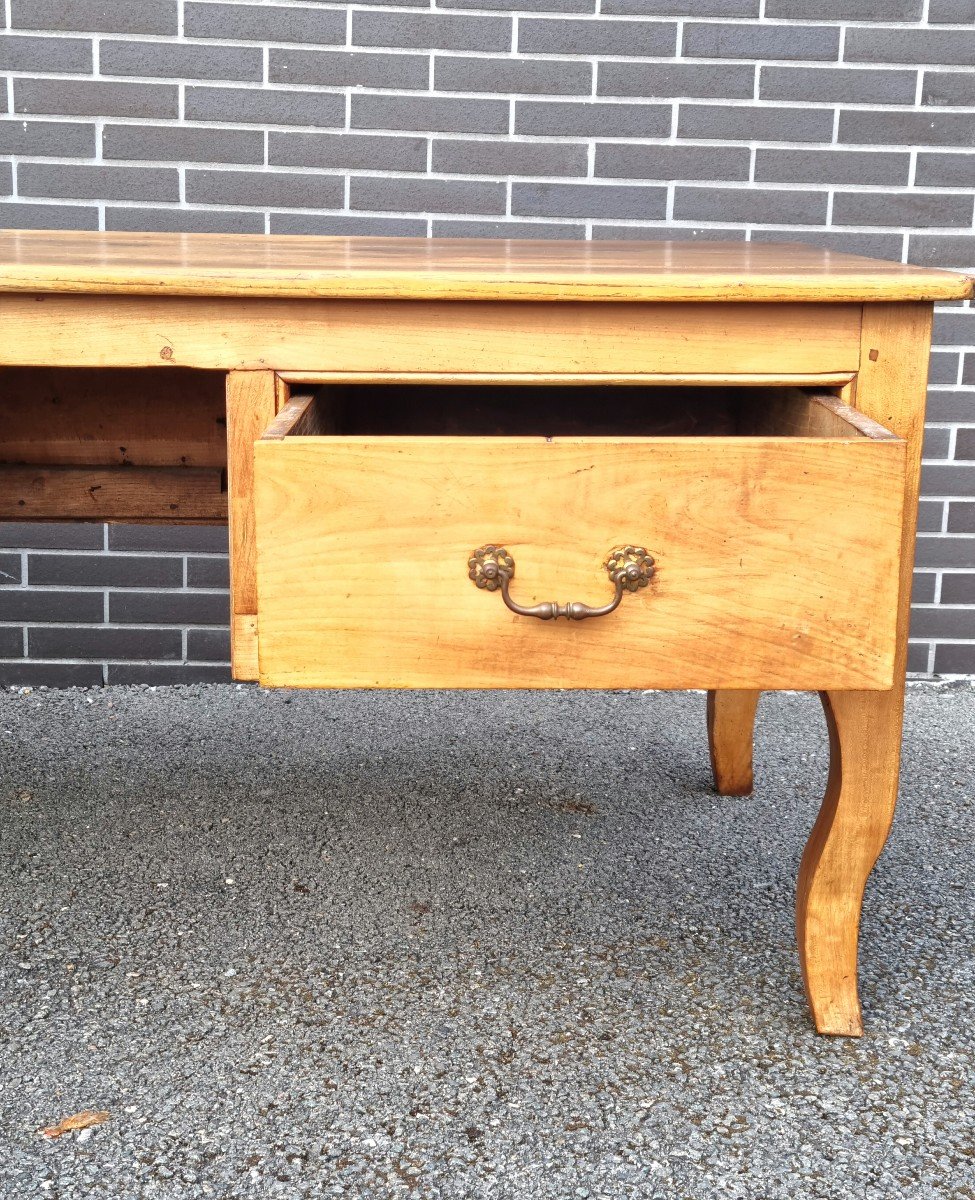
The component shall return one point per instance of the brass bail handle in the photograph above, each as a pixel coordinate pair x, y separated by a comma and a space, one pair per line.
629, 568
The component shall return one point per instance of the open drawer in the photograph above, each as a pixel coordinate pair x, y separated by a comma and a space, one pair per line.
737, 538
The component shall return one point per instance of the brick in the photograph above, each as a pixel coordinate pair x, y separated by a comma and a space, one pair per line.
265, 106
752, 122
47, 139
906, 128
43, 535
943, 369
165, 60
426, 195
509, 229
553, 77
917, 658
431, 31
207, 573
801, 42
935, 623
561, 6
750, 205
965, 445
626, 161
174, 539
47, 216
98, 182
873, 245
951, 12
955, 327
562, 35
968, 373
588, 200
599, 118
11, 642
941, 250
42, 604
96, 98
161, 143
940, 551
9, 569
169, 608
208, 645
6, 178
55, 675
678, 8
951, 479
949, 87
653, 81
264, 188
838, 85
946, 170
348, 151
54, 642
104, 570
954, 659
183, 220
21, 52
341, 225
456, 156
831, 166
439, 114
950, 404
348, 68
265, 23
940, 47
96, 16
660, 233
845, 10
165, 674
936, 443
957, 588
915, 209
922, 591
961, 517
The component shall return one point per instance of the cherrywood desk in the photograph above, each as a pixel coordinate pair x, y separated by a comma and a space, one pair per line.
713, 450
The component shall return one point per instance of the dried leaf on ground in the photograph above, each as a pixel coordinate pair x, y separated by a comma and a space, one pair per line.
81, 1120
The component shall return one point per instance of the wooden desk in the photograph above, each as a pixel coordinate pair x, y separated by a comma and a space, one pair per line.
718, 445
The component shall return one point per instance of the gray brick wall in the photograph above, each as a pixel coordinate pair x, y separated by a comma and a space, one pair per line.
847, 123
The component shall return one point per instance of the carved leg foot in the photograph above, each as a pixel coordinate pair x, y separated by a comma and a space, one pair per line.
731, 725
846, 840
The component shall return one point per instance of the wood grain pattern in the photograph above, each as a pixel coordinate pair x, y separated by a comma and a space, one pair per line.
243, 642
454, 269
572, 378
731, 726
363, 548
383, 336
865, 727
38, 493
141, 418
251, 403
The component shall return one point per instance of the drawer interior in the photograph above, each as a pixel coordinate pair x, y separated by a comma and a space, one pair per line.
459, 410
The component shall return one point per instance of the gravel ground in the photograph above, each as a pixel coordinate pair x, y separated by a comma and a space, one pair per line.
465, 945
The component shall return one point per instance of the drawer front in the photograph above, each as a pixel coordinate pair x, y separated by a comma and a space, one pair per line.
775, 561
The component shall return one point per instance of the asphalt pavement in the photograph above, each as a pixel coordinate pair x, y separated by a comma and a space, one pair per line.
459, 945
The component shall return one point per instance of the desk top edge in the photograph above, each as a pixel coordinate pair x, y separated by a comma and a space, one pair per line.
255, 265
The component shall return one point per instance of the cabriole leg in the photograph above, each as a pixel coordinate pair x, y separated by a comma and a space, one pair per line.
846, 840
731, 726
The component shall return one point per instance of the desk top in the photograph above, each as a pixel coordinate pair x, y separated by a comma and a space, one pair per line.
248, 265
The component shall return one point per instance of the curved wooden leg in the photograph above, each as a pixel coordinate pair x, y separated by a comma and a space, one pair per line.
731, 725
846, 840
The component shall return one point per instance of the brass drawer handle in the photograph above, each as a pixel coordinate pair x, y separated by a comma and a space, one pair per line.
492, 568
